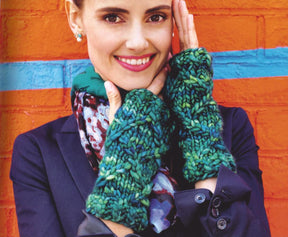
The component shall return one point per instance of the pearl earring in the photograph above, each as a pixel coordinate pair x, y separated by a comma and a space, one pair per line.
173, 34
78, 37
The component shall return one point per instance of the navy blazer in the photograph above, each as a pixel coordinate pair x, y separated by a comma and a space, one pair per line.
52, 179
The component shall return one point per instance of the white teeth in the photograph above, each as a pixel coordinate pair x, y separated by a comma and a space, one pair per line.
135, 61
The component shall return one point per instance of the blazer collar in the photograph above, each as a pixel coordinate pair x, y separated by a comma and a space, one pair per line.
75, 158
70, 125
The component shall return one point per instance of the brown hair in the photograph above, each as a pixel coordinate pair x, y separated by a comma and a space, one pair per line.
78, 3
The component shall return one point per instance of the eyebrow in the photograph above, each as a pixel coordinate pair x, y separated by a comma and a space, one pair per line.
161, 7
116, 9
112, 9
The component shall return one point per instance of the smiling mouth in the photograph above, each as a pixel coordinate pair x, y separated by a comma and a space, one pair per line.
135, 63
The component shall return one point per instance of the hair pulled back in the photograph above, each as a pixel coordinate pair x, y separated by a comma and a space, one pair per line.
78, 3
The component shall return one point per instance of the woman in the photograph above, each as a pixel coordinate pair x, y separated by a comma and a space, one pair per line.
168, 134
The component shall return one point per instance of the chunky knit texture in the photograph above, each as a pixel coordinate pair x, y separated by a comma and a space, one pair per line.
136, 140
188, 92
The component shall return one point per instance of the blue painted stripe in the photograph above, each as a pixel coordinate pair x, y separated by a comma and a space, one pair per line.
250, 63
40, 74
59, 74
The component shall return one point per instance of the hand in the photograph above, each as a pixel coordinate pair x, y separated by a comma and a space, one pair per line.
209, 184
136, 140
185, 25
189, 95
114, 95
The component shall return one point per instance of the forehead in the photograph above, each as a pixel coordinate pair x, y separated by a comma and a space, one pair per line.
128, 3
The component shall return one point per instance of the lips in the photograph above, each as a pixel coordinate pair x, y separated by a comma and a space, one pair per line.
135, 64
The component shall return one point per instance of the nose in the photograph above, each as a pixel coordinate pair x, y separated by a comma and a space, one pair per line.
136, 39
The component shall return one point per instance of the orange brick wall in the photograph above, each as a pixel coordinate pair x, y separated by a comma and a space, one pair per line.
32, 30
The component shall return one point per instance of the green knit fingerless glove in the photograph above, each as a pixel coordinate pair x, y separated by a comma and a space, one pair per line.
188, 92
136, 140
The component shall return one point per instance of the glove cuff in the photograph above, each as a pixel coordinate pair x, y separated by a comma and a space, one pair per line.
136, 140
189, 94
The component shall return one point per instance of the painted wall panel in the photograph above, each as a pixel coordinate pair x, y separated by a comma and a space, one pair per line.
249, 44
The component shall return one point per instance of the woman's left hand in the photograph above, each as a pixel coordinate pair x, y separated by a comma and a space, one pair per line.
185, 25
188, 40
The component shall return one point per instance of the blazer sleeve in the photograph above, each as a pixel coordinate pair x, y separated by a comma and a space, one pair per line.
36, 212
237, 206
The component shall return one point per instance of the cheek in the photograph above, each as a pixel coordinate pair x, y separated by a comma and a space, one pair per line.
163, 39
102, 43
164, 45
98, 49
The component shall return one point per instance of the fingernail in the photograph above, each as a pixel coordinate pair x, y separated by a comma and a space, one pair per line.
108, 86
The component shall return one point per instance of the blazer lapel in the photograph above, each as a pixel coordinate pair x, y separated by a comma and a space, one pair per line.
75, 158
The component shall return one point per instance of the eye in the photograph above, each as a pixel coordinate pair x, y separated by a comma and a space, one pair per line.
157, 18
112, 18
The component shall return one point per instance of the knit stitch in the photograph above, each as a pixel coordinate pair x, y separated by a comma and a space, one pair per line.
136, 140
188, 92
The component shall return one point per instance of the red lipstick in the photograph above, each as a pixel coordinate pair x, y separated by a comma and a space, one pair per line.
135, 63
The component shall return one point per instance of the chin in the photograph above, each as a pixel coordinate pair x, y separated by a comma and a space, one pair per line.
134, 83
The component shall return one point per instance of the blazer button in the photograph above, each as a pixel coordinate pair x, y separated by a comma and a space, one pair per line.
221, 224
216, 202
215, 212
200, 198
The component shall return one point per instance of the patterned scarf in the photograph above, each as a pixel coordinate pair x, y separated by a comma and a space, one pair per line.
91, 107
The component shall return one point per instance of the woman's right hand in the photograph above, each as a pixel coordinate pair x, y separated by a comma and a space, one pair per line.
114, 96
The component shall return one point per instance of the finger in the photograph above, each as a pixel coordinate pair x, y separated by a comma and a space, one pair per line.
184, 15
176, 14
114, 98
192, 35
168, 59
158, 83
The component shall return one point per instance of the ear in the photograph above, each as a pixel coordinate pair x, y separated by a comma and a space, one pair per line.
173, 24
74, 17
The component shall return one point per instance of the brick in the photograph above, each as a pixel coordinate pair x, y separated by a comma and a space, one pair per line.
8, 222
272, 127
218, 33
36, 98
61, 5
276, 31
29, 5
12, 123
275, 172
6, 191
277, 214
236, 4
36, 37
2, 46
256, 91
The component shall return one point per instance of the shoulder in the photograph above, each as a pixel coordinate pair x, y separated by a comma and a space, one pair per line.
237, 127
238, 133
49, 129
29, 147
32, 143
235, 119
236, 114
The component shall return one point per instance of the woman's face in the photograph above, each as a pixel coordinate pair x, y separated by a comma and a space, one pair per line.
128, 40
